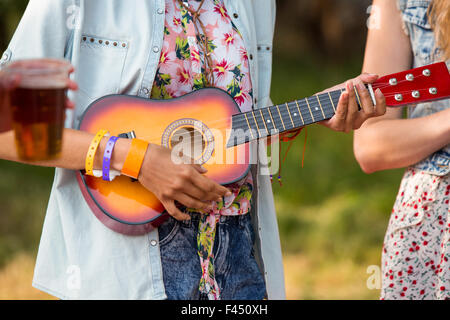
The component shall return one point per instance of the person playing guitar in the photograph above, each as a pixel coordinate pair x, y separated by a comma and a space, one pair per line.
226, 246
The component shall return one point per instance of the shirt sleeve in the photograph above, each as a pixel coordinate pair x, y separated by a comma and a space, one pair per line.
43, 31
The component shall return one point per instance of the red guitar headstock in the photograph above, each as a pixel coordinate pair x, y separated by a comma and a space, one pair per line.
417, 85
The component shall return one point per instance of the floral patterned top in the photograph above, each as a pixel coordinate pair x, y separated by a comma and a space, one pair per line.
180, 71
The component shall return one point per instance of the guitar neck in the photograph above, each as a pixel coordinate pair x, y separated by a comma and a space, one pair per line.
277, 119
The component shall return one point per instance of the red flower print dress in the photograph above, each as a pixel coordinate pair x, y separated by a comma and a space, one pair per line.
180, 71
416, 250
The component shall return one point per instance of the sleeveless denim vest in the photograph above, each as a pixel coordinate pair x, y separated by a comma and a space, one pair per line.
422, 38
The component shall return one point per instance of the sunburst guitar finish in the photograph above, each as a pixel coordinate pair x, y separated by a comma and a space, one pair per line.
203, 117
207, 126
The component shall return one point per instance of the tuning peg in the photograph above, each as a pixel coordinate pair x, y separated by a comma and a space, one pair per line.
409, 77
433, 90
399, 97
416, 94
426, 72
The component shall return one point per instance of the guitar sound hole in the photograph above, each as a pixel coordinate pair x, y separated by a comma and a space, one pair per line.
188, 142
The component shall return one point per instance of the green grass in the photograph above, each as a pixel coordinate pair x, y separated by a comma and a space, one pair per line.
329, 208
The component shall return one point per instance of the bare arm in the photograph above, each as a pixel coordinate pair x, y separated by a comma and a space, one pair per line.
73, 157
390, 142
170, 182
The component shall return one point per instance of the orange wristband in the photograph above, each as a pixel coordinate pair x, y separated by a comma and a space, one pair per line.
135, 158
92, 151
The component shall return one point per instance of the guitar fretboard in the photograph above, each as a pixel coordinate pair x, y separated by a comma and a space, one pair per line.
266, 122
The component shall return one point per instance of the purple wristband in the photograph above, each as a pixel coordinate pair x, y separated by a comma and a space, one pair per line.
107, 157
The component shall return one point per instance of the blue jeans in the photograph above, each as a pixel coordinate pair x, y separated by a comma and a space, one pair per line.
237, 272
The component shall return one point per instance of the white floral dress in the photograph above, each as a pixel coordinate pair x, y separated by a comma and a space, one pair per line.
416, 250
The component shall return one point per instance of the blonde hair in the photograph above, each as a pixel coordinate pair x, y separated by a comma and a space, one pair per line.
439, 14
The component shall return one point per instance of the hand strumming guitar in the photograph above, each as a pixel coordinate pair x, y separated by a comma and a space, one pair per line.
184, 183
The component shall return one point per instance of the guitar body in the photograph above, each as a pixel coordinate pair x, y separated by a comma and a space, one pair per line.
204, 116
207, 126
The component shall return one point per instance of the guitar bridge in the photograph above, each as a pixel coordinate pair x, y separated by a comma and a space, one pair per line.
128, 135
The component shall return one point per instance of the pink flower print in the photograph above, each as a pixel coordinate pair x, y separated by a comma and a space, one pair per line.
196, 62
220, 9
184, 76
228, 39
244, 54
244, 203
176, 22
240, 98
221, 68
164, 58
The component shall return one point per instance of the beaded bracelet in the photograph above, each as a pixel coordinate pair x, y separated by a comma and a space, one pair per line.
135, 158
92, 151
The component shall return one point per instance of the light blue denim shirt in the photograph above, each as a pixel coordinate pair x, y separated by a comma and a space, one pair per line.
79, 258
423, 44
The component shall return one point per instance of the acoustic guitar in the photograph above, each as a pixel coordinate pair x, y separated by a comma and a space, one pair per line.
209, 124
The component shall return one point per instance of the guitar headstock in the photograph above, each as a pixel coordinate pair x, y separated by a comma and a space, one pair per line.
417, 85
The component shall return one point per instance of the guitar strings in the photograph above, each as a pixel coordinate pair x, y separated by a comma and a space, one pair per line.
327, 104
307, 119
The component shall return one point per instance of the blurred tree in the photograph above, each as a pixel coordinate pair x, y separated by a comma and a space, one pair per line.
10, 13
330, 28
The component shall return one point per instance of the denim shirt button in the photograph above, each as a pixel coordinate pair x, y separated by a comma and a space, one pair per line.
145, 91
160, 11
155, 49
153, 243
5, 57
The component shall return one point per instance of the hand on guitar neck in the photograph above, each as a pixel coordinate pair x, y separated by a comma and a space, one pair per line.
348, 117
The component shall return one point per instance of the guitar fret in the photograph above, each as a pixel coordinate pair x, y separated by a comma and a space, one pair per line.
261, 123
250, 128
357, 97
332, 103
298, 107
278, 108
297, 118
290, 115
264, 121
309, 107
273, 121
323, 113
276, 118
316, 108
253, 114
335, 97
269, 121
328, 108
286, 117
